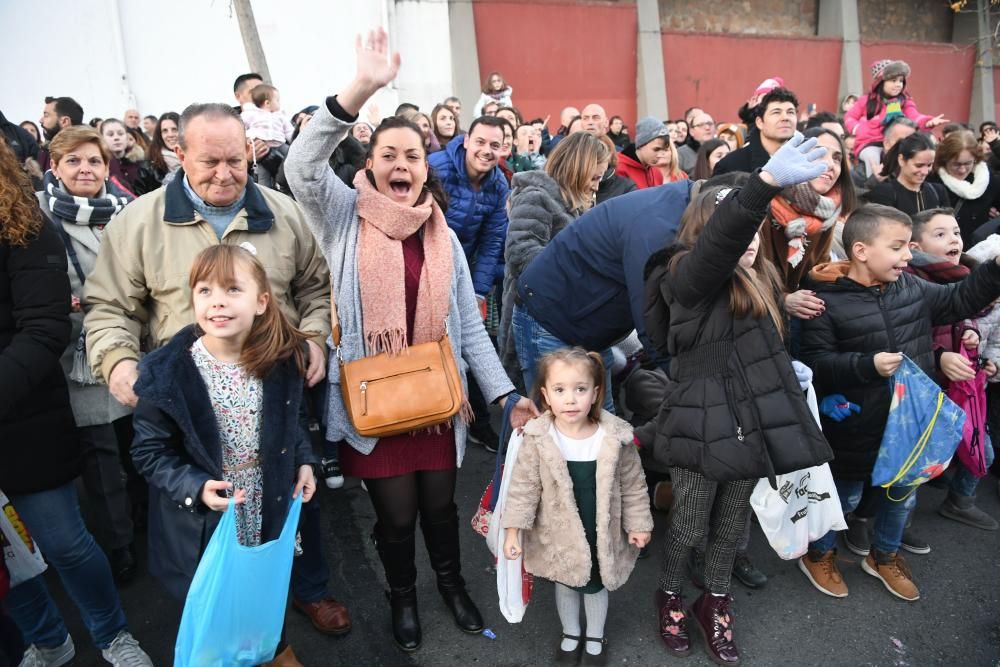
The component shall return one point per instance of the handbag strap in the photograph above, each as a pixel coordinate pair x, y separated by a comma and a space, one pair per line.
334, 318
505, 433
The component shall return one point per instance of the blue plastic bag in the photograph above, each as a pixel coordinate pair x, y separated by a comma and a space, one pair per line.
921, 434
235, 608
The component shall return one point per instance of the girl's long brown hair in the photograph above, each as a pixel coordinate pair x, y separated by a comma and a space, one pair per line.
751, 293
20, 217
272, 338
573, 355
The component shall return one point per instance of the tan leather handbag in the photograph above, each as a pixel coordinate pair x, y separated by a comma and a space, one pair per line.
389, 395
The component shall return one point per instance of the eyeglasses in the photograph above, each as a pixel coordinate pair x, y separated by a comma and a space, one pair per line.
706, 125
962, 165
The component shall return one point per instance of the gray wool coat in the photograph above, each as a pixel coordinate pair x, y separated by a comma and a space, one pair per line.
331, 212
537, 214
93, 404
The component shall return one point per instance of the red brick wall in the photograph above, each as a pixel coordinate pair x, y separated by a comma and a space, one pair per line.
556, 54
719, 72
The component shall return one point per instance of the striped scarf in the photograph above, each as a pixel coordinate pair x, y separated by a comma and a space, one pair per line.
89, 211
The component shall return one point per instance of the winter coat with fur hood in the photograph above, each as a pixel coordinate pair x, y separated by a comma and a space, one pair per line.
540, 502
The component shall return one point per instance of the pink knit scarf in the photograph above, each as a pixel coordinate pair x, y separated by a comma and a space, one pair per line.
381, 272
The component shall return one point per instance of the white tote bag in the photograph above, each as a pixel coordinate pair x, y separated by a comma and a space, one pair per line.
803, 508
20, 553
513, 582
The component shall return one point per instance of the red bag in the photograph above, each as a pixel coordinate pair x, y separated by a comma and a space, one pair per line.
970, 395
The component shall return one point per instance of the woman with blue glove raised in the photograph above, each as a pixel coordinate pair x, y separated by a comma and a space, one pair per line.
737, 413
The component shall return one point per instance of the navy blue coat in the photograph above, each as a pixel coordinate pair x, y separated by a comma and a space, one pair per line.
478, 218
177, 449
586, 287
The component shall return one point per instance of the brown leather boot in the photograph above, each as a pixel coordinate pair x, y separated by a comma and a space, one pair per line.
714, 618
673, 622
285, 659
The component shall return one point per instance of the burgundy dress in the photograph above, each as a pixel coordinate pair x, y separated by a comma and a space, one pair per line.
409, 452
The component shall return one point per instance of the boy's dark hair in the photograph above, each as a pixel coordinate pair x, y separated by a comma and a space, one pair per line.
986, 124
865, 223
262, 93
67, 106
535, 121
404, 107
150, 117
489, 121
821, 117
243, 78
922, 218
777, 95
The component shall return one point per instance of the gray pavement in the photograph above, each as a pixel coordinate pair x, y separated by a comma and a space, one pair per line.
786, 623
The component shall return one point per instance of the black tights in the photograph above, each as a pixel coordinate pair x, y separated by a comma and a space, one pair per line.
398, 499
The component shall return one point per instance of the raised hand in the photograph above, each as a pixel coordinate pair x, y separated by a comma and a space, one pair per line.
797, 161
375, 69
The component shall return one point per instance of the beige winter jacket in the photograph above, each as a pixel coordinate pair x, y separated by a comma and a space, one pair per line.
139, 287
540, 502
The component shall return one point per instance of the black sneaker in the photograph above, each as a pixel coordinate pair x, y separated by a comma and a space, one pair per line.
914, 543
481, 433
696, 565
331, 473
747, 572
856, 537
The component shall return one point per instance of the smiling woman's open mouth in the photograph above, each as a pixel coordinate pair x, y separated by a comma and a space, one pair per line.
399, 186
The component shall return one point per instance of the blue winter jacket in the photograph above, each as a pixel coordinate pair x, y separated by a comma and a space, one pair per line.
586, 287
479, 219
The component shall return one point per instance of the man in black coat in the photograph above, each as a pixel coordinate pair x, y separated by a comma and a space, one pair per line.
22, 143
775, 125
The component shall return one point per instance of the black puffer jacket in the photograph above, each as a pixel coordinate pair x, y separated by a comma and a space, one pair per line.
737, 411
38, 445
859, 321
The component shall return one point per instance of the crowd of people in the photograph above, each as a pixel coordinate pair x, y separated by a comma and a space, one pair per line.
647, 305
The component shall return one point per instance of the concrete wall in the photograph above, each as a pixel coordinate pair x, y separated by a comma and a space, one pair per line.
191, 50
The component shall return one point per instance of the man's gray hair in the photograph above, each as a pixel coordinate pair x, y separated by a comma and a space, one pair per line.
212, 110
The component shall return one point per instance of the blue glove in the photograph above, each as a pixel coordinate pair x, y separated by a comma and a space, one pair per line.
838, 408
803, 374
797, 161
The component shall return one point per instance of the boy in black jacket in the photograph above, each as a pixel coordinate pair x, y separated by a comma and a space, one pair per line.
875, 313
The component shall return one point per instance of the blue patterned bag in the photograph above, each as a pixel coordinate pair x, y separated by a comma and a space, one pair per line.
235, 608
921, 434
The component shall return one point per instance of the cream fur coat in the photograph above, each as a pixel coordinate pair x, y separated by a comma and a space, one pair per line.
540, 502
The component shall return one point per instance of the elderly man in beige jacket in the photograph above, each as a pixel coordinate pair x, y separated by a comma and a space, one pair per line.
138, 297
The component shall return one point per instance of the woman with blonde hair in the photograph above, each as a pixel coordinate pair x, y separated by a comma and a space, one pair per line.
543, 203
671, 166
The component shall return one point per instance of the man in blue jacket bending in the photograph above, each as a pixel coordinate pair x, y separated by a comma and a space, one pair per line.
477, 213
586, 287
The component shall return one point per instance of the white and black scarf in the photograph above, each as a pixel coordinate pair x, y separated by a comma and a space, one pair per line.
91, 211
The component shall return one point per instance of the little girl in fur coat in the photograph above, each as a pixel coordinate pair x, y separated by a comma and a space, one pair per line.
577, 500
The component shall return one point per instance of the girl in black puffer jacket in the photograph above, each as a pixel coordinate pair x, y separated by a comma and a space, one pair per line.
737, 412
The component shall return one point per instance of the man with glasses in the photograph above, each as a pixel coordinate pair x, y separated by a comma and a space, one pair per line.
779, 112
701, 128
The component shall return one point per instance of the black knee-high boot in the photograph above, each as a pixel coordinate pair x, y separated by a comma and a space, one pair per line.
441, 537
401, 574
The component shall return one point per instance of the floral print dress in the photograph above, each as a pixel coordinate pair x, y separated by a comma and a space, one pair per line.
237, 401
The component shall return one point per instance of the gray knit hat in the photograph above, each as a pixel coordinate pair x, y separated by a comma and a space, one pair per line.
648, 129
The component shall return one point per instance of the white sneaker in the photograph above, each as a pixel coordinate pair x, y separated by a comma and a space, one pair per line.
332, 475
49, 657
125, 652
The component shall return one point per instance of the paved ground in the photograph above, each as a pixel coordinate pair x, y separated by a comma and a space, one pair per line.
786, 623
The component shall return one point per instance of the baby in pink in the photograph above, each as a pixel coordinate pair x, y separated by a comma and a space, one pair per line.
263, 118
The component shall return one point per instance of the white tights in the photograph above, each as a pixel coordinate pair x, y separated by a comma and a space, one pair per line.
596, 610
